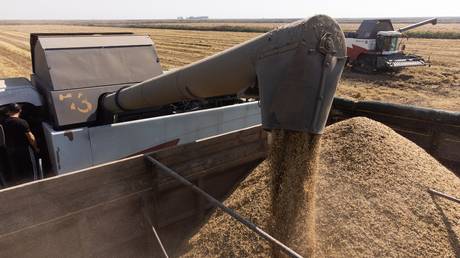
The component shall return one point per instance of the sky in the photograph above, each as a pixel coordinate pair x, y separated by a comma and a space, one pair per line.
171, 9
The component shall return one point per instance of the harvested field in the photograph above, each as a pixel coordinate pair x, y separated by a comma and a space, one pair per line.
371, 201
442, 30
437, 86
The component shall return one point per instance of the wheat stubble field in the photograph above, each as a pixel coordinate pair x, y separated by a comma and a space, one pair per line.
437, 86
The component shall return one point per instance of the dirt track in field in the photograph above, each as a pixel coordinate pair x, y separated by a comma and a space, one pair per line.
437, 86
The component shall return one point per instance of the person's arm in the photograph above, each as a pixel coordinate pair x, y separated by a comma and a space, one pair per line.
29, 135
33, 142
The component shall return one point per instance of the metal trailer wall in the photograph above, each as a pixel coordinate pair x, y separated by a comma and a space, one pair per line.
436, 131
106, 211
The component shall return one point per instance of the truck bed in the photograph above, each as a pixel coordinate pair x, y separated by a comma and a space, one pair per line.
105, 211
108, 210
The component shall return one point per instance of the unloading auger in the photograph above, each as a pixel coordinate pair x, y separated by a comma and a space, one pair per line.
296, 69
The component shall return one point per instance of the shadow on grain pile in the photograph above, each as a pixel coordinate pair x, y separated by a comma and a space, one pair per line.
370, 199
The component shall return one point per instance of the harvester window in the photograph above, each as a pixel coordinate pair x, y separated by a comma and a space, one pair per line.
394, 44
386, 43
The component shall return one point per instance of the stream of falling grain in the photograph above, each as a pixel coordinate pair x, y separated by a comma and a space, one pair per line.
293, 160
278, 196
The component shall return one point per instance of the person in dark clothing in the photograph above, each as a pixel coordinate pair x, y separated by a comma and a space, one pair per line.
18, 138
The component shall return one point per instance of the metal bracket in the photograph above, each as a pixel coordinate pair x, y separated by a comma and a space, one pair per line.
326, 44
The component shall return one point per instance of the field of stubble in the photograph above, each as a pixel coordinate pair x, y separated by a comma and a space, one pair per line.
437, 86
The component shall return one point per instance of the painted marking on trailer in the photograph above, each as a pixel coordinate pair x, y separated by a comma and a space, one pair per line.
88, 107
81, 105
63, 97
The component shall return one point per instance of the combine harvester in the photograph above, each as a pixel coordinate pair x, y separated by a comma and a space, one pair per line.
133, 207
376, 46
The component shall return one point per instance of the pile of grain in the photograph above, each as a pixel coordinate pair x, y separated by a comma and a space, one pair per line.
278, 196
371, 200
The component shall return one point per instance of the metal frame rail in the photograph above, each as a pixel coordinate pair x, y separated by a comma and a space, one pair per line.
448, 197
155, 234
232, 213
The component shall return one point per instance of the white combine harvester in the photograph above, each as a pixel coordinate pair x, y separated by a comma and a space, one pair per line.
376, 46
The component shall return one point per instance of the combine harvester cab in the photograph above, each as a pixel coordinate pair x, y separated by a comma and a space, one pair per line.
376, 46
